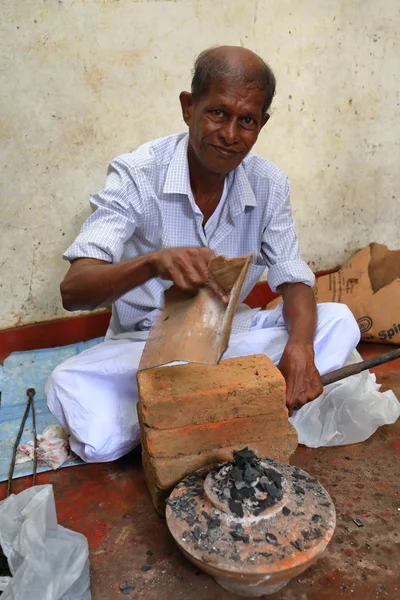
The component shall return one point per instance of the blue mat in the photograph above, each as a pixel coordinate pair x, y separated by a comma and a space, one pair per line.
22, 370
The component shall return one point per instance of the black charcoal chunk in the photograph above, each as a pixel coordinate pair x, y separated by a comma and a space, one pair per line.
240, 537
196, 533
145, 568
271, 539
236, 507
298, 544
315, 518
357, 522
286, 511
299, 490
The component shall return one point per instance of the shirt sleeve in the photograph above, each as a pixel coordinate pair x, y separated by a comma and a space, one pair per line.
280, 247
114, 218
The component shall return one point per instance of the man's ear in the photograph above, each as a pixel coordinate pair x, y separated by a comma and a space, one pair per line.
265, 119
186, 100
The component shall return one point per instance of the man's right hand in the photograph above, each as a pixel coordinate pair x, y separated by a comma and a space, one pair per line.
188, 269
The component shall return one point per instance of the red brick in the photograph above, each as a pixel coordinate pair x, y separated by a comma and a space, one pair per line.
167, 472
193, 394
164, 443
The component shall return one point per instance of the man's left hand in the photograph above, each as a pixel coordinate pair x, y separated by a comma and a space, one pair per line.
303, 382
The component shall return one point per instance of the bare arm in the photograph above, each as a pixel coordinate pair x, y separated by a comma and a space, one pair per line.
91, 283
303, 382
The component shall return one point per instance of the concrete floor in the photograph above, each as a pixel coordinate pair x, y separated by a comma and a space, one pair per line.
109, 504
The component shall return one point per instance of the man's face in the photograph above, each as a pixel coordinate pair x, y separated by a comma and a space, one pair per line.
224, 124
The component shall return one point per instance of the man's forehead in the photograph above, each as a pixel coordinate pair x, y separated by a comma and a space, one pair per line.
230, 92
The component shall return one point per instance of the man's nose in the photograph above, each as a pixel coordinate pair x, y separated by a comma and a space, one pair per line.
230, 132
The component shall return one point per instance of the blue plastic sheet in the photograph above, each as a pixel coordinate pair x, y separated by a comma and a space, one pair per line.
22, 370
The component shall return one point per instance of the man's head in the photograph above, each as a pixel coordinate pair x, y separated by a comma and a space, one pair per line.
232, 90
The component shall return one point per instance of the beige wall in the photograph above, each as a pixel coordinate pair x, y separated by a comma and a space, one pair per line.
84, 80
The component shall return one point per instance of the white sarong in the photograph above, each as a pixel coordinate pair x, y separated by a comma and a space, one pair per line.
94, 394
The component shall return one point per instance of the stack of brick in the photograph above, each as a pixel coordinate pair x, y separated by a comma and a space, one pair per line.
192, 416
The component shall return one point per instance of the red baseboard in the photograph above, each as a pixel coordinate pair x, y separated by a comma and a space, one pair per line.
53, 333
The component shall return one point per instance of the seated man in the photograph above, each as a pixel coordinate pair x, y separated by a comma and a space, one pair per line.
165, 211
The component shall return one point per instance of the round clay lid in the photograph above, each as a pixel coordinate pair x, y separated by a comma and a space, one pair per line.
251, 516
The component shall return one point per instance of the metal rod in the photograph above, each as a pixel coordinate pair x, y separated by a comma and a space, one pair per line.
360, 366
34, 436
30, 393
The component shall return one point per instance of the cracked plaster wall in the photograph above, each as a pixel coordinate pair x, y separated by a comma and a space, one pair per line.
84, 80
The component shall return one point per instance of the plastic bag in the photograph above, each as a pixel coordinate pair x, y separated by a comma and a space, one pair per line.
48, 562
348, 411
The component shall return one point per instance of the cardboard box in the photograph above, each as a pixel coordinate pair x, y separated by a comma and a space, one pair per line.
369, 284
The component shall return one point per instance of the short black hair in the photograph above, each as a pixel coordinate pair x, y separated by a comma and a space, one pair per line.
211, 66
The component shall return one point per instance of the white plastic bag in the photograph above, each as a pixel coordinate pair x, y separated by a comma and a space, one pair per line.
47, 561
348, 411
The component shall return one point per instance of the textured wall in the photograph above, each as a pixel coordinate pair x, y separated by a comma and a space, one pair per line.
84, 80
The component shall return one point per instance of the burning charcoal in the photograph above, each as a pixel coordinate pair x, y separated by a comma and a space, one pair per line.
250, 474
271, 539
240, 537
245, 493
236, 474
196, 533
358, 522
235, 494
190, 520
269, 488
299, 490
274, 476
286, 511
298, 544
306, 535
236, 507
243, 455
193, 492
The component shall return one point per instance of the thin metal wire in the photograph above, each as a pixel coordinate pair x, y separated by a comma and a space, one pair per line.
30, 393
34, 440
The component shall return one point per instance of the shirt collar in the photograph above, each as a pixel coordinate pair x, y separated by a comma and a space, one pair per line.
177, 181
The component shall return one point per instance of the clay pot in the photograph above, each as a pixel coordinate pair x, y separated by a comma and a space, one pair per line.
253, 554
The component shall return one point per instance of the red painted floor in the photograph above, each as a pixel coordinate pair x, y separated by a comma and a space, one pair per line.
109, 503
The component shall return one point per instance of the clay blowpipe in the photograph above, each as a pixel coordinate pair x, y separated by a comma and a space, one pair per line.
360, 366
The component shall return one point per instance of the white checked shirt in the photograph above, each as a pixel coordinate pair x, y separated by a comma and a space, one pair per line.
147, 205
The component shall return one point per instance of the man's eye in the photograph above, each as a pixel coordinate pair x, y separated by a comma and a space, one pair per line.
248, 121
217, 112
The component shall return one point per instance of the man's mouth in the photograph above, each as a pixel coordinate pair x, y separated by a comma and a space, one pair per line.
225, 151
